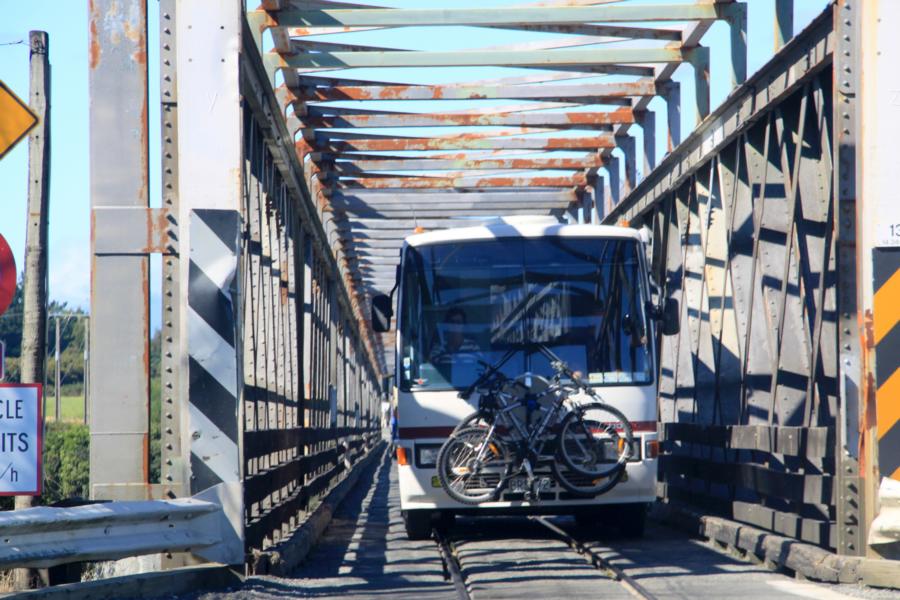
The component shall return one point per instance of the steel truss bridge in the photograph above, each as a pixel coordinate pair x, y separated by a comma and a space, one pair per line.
298, 151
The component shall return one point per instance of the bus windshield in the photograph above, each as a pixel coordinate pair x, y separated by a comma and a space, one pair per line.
465, 304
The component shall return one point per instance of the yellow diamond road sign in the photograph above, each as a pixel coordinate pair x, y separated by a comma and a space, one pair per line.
16, 119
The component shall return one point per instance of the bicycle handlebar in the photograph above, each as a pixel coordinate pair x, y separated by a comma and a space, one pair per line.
558, 364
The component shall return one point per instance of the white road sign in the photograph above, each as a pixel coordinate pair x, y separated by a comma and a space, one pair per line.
21, 428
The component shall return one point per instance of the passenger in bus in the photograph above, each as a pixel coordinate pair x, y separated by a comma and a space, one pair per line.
455, 341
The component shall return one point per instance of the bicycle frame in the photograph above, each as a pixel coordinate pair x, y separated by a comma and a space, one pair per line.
528, 445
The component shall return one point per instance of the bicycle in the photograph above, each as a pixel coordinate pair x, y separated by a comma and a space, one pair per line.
586, 445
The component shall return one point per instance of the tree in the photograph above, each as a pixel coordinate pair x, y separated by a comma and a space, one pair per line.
72, 336
155, 353
11, 324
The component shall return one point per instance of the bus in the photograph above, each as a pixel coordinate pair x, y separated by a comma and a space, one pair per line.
467, 296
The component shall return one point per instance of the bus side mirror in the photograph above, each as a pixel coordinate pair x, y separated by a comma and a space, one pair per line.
382, 311
671, 323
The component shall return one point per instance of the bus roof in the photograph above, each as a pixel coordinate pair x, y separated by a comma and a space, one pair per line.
529, 227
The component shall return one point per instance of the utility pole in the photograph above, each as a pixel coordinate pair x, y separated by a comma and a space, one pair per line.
86, 379
57, 378
34, 321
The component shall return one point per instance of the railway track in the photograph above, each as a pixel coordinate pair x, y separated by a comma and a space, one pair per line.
479, 572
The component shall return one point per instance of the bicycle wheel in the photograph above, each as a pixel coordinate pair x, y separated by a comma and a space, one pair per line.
472, 465
595, 440
582, 485
476, 419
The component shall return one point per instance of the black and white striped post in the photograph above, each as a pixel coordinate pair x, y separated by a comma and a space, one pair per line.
212, 353
210, 194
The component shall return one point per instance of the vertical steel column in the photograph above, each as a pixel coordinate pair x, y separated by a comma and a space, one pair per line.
174, 471
699, 58
850, 525
599, 209
629, 148
647, 121
784, 22
735, 15
210, 189
588, 206
615, 190
120, 328
582, 196
671, 91
308, 330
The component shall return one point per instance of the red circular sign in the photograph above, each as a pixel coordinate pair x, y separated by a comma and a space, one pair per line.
7, 275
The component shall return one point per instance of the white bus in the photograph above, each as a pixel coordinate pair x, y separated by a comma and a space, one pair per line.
469, 295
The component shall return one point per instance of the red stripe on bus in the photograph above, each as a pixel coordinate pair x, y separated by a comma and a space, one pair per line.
643, 426
412, 433
640, 426
407, 433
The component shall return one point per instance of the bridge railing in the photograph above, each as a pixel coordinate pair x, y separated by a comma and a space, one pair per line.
311, 398
743, 236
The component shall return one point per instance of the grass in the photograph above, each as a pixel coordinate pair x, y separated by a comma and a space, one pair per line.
72, 408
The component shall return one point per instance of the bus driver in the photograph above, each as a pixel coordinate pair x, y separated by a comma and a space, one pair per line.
455, 340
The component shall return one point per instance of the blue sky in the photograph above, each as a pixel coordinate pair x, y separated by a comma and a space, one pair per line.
66, 23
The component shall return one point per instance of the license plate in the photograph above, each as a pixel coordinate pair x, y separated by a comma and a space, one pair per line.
518, 484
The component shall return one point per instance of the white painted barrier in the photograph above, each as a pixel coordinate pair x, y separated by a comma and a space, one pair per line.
47, 536
885, 528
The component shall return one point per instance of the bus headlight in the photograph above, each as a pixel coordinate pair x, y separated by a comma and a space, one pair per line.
426, 455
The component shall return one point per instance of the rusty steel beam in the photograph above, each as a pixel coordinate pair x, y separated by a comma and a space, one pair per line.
593, 34
457, 156
555, 42
381, 199
539, 15
422, 183
327, 175
582, 59
335, 78
312, 136
590, 29
472, 134
319, 46
576, 92
544, 106
464, 143
622, 115
364, 224
309, 4
331, 78
584, 29
439, 211
427, 164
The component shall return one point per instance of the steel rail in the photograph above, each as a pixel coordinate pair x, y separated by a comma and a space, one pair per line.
452, 569
616, 573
